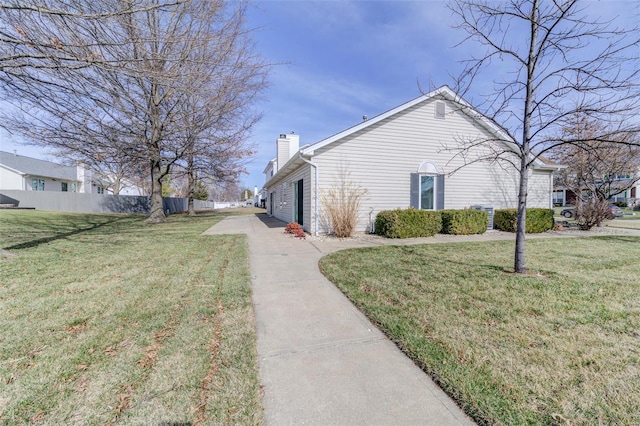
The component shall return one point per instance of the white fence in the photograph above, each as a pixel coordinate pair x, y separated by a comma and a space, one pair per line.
94, 203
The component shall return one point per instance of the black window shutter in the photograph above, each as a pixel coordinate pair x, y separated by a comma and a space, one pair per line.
440, 192
415, 190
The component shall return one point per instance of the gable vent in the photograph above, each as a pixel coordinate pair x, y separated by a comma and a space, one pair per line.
440, 109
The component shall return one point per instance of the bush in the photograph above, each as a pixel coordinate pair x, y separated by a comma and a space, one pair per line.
464, 222
341, 205
621, 204
538, 220
409, 223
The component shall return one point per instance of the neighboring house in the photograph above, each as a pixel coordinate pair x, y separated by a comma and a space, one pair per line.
18, 172
565, 197
405, 157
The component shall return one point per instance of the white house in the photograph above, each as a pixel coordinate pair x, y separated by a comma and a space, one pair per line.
18, 172
564, 197
406, 157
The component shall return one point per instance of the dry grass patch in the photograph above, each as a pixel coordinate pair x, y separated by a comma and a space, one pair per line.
109, 320
560, 346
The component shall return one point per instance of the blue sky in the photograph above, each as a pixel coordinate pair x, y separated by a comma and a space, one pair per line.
336, 61
341, 60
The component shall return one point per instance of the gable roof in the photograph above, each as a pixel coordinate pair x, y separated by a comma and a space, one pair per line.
34, 167
271, 163
443, 92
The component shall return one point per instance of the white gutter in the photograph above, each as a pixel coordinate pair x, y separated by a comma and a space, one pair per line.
551, 190
315, 166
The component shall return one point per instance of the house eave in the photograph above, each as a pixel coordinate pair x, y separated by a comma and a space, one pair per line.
549, 167
293, 163
269, 164
4, 166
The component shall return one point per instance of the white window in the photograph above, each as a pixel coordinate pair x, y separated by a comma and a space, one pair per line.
622, 197
558, 197
427, 188
37, 184
427, 192
283, 194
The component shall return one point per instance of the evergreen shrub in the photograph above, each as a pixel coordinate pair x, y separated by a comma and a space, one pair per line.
464, 222
408, 223
538, 220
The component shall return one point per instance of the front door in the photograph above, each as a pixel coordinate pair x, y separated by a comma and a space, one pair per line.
298, 202
270, 204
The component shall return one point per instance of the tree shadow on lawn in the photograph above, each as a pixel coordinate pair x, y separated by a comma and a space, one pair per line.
618, 238
77, 227
535, 273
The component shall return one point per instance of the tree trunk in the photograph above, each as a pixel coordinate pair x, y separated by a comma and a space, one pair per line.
519, 263
157, 213
191, 183
192, 190
155, 154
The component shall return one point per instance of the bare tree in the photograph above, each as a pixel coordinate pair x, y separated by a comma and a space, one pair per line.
130, 93
28, 42
115, 170
555, 61
225, 191
218, 117
596, 170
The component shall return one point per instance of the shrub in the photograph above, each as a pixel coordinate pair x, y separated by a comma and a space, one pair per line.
295, 229
592, 211
409, 223
341, 205
538, 220
621, 204
505, 219
464, 222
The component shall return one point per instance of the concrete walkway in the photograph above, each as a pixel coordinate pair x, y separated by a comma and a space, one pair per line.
321, 361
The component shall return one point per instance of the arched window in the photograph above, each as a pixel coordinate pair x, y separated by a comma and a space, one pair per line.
427, 167
427, 187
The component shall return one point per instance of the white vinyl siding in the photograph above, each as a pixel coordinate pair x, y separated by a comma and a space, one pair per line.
48, 184
381, 158
284, 210
540, 189
13, 180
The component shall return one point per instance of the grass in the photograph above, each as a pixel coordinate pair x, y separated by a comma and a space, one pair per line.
109, 320
557, 346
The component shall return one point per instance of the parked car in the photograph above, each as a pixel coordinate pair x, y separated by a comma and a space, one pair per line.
568, 212
614, 211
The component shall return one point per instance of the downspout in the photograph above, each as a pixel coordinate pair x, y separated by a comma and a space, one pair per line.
551, 190
317, 171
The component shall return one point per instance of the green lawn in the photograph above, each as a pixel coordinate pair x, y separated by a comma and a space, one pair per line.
560, 345
106, 319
